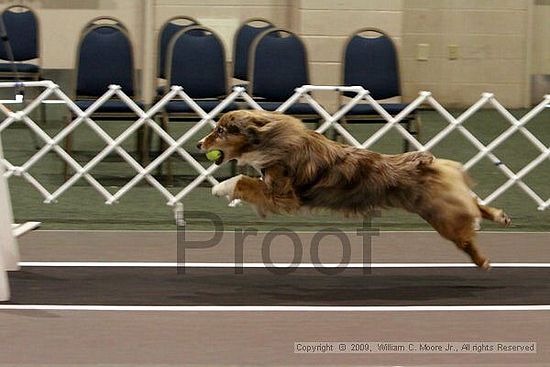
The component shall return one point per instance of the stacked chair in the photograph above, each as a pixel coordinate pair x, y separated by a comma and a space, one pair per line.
278, 65
195, 61
370, 60
105, 56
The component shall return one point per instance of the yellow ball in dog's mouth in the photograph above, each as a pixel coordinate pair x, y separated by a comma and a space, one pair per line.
213, 155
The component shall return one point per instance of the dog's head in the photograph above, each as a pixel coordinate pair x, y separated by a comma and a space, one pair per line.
249, 136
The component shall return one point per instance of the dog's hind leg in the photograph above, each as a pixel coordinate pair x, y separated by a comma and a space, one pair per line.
464, 238
469, 246
494, 214
460, 230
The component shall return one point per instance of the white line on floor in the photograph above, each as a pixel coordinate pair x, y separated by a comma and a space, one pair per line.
272, 265
276, 308
382, 231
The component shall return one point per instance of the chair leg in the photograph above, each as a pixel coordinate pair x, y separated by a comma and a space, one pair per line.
406, 142
43, 116
162, 146
413, 127
169, 175
43, 119
417, 126
68, 147
34, 138
139, 143
145, 147
336, 136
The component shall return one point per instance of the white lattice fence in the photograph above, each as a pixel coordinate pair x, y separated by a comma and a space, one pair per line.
54, 143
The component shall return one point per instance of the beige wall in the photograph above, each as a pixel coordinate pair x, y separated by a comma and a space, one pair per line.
492, 38
541, 38
223, 16
325, 26
62, 20
500, 42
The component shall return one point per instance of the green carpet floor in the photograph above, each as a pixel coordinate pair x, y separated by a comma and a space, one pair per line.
144, 208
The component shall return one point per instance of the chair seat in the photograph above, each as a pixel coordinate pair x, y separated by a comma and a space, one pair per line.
366, 109
111, 106
20, 67
295, 109
207, 106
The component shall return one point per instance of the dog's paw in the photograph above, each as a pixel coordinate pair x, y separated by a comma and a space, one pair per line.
226, 188
476, 225
482, 263
503, 219
486, 265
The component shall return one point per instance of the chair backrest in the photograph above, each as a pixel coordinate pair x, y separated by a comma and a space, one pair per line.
169, 29
103, 20
372, 63
105, 56
22, 30
244, 37
277, 65
196, 62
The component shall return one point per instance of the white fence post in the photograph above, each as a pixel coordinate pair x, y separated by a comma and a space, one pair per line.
8, 242
9, 254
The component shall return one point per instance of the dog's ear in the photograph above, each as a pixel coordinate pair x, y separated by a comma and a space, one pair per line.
252, 134
260, 120
233, 129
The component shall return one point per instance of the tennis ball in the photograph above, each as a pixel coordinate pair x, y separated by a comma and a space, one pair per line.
213, 155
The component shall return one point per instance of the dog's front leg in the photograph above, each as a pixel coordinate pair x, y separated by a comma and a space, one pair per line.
267, 196
227, 187
255, 191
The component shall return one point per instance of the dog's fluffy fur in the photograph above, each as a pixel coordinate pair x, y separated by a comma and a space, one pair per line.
303, 169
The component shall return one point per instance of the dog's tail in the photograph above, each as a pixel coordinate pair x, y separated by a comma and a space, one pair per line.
467, 178
459, 167
416, 159
487, 212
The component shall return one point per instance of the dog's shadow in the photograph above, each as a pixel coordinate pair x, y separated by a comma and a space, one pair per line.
201, 286
364, 289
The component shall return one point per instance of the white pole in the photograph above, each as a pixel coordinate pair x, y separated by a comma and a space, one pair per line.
9, 255
8, 243
4, 285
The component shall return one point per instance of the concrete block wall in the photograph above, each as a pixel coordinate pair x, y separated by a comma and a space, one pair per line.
492, 41
500, 43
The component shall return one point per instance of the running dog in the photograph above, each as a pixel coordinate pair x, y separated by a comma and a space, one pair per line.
302, 169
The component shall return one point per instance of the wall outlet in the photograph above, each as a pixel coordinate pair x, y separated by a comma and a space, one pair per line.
422, 51
453, 52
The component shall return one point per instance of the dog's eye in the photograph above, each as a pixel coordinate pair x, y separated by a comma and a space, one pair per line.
219, 130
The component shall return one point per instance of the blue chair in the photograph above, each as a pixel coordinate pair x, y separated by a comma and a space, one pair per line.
195, 61
372, 62
167, 31
277, 66
105, 56
24, 37
244, 37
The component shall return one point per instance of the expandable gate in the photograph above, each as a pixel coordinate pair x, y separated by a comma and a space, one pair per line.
9, 253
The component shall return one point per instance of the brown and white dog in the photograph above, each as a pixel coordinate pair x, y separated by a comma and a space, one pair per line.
303, 169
